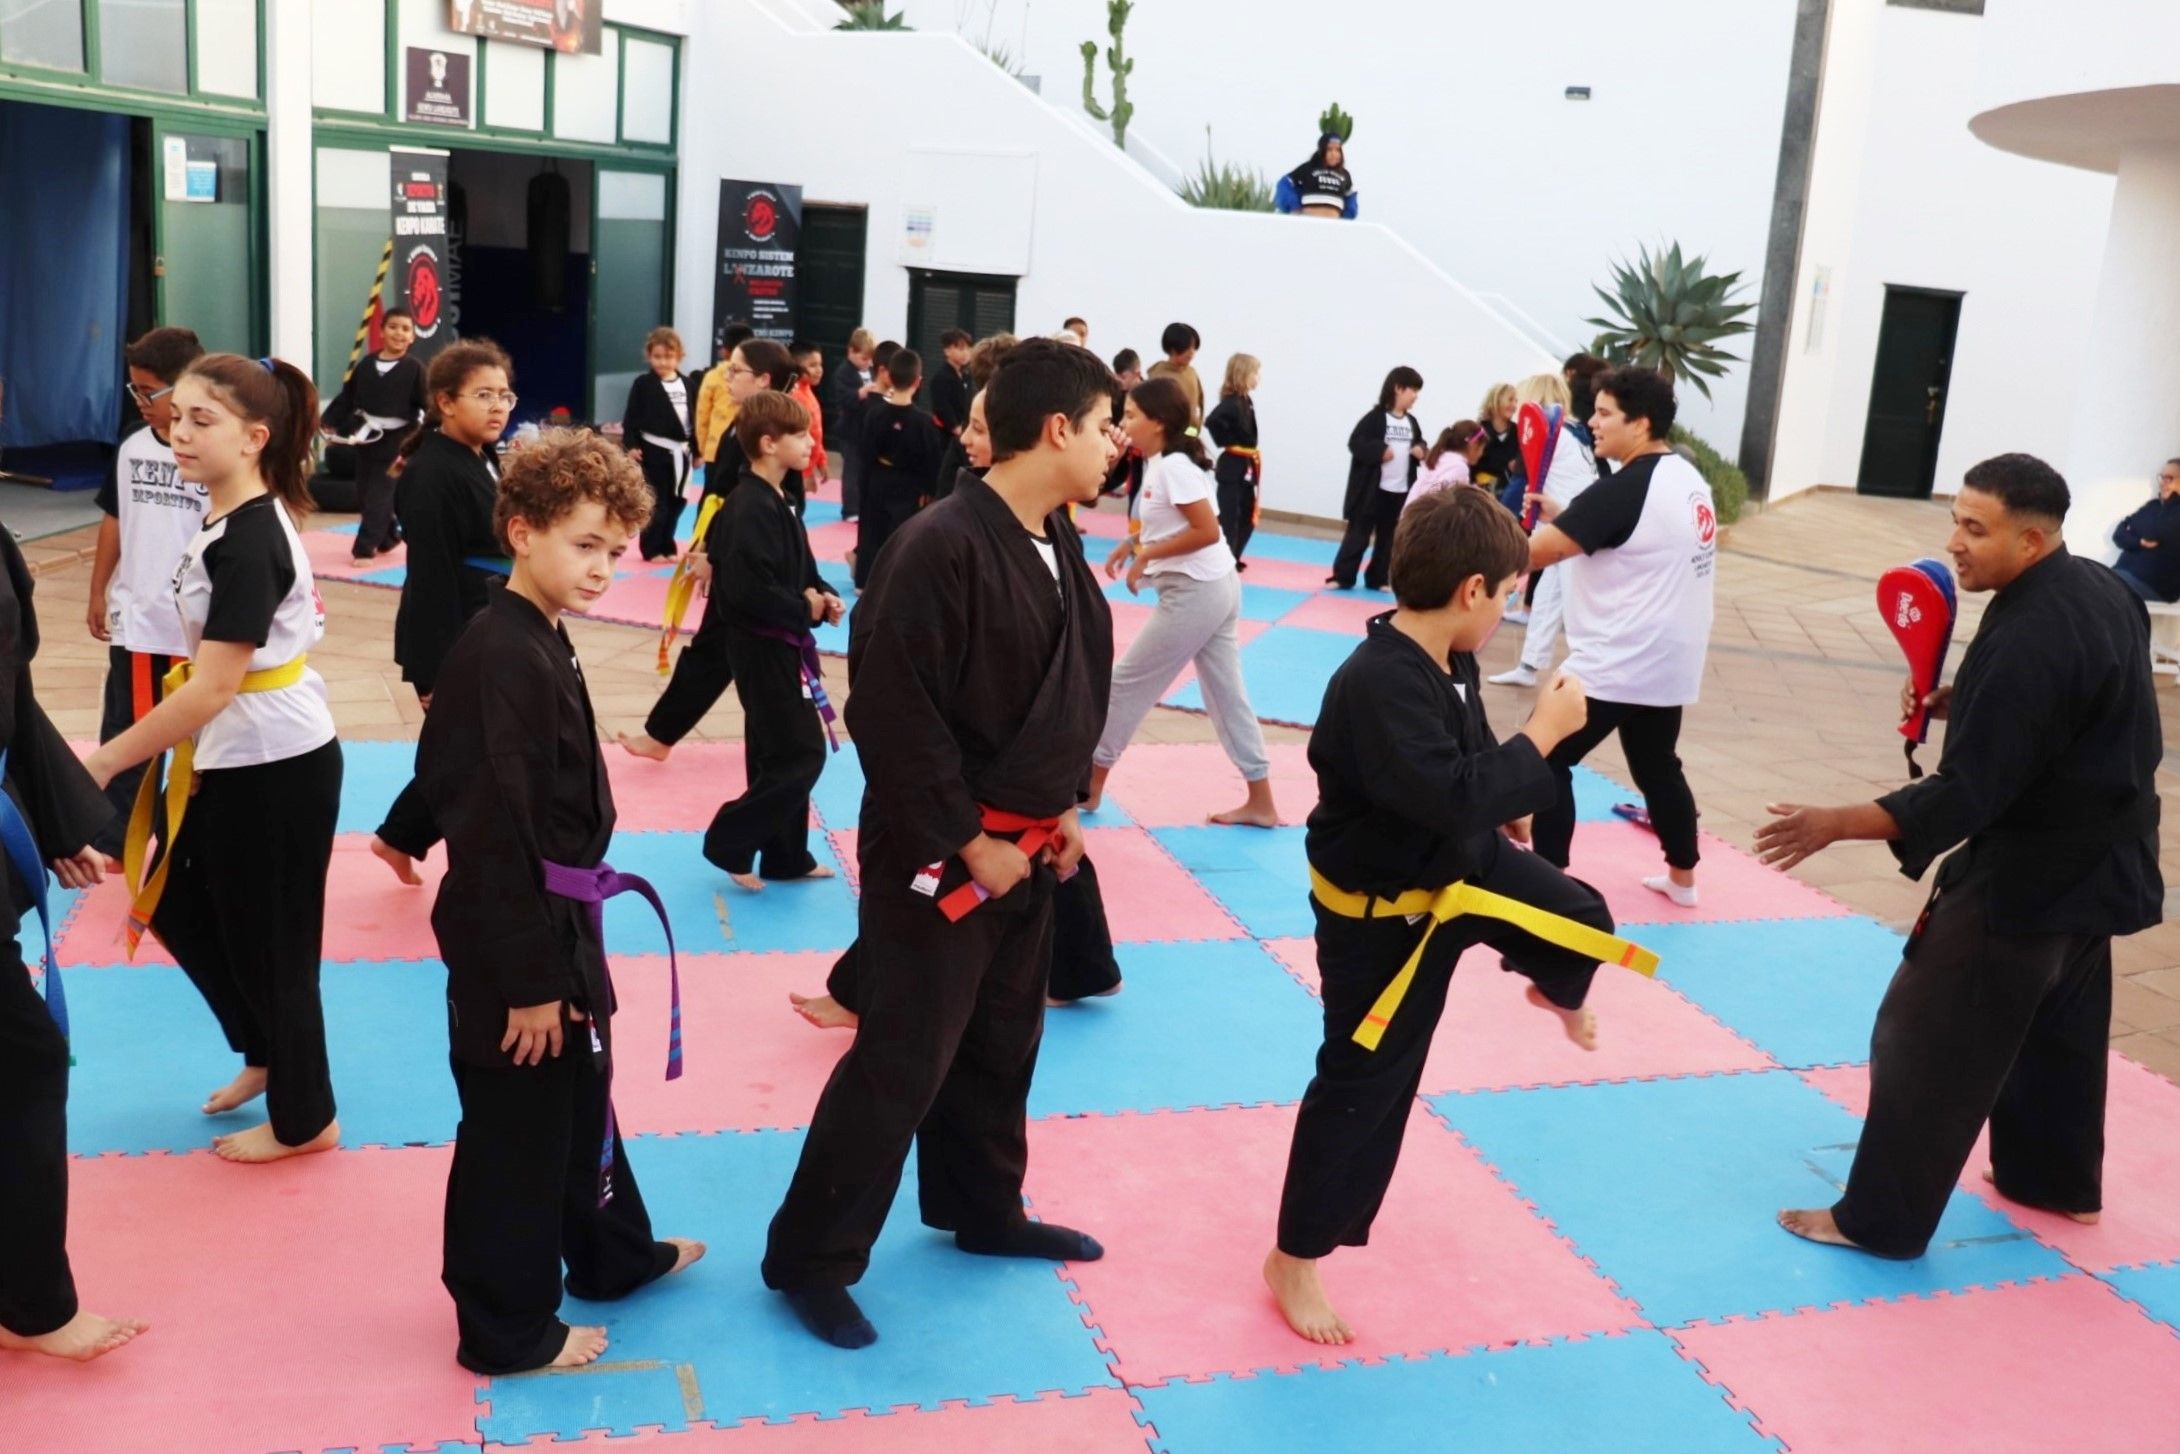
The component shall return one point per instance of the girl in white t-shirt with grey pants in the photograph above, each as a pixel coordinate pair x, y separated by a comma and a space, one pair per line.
1176, 546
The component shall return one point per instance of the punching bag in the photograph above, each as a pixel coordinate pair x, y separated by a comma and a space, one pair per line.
551, 210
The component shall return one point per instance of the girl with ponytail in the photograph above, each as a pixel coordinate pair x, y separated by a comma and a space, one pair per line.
1174, 541
238, 894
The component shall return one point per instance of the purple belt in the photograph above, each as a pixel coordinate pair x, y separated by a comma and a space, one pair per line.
812, 675
591, 887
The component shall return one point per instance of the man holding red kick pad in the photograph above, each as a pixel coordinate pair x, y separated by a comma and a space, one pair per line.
2003, 998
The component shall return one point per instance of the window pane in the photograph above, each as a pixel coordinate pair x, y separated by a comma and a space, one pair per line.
227, 48
348, 54
143, 43
647, 109
42, 33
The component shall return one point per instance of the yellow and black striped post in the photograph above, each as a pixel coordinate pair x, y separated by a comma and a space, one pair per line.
370, 308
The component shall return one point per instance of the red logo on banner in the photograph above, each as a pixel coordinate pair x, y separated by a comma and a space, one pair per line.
424, 296
1706, 521
760, 218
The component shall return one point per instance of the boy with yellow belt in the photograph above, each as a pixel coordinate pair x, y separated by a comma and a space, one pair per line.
1410, 864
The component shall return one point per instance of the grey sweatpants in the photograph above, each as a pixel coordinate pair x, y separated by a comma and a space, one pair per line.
1195, 621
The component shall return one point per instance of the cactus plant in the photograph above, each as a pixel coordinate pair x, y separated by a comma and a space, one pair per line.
1335, 122
1118, 62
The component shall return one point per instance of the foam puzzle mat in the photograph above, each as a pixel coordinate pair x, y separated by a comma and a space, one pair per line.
1576, 1254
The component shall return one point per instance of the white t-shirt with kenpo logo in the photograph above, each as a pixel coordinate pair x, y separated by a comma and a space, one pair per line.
158, 513
1639, 596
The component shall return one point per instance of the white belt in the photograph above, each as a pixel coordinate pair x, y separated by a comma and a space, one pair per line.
678, 448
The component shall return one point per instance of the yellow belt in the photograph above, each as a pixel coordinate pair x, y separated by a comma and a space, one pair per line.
681, 589
144, 893
1451, 902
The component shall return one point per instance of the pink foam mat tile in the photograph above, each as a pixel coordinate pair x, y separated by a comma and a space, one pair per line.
1129, 619
1186, 1205
1109, 521
638, 598
679, 795
1282, 575
1150, 897
1344, 613
1492, 1038
331, 558
1179, 785
2141, 1221
1614, 858
750, 1063
1101, 1421
2026, 1369
294, 1306
832, 541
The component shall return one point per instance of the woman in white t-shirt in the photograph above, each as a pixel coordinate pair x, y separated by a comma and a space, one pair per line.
1176, 545
238, 896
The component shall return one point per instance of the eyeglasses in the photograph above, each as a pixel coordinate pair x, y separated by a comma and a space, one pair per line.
738, 371
489, 397
143, 398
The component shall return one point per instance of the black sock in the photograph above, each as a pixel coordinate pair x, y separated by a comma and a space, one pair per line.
1033, 1239
831, 1313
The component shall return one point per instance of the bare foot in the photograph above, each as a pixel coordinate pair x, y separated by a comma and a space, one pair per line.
1247, 816
690, 1249
240, 1091
258, 1144
1817, 1225
1302, 1300
820, 871
82, 1338
583, 1346
2087, 1219
643, 744
404, 867
1581, 1025
824, 1011
749, 881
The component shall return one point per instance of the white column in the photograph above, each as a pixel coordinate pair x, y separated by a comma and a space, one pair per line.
290, 212
2125, 423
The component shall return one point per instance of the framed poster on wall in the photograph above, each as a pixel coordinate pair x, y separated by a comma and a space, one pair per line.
760, 224
573, 27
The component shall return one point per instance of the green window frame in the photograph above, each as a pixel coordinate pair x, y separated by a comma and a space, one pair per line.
45, 83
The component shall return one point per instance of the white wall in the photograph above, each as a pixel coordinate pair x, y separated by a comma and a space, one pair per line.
1903, 194
1464, 141
1329, 307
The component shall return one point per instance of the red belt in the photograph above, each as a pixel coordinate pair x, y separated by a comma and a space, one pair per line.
1035, 834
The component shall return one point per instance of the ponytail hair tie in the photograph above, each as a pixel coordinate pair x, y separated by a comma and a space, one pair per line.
266, 364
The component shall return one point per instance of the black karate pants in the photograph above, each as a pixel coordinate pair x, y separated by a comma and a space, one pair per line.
851, 474
1371, 528
133, 688
1238, 507
1650, 737
1348, 1131
244, 916
784, 748
701, 674
522, 1198
2009, 1028
887, 505
37, 1290
952, 1017
657, 540
377, 530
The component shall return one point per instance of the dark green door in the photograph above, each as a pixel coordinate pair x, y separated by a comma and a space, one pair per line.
1907, 394
979, 304
829, 261
209, 264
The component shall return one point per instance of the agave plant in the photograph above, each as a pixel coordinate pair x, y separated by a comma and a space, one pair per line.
1669, 315
1332, 121
870, 15
1227, 186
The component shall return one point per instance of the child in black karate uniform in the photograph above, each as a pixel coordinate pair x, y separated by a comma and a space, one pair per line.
657, 425
509, 766
767, 594
380, 402
1414, 793
902, 447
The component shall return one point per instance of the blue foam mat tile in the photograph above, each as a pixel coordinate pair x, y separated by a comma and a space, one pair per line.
1595, 795
1671, 1187
347, 529
393, 575
838, 796
1195, 1024
1804, 991
1630, 1394
2156, 1289
1286, 670
1261, 875
1308, 550
806, 914
1269, 603
148, 1052
950, 1326
372, 776
819, 512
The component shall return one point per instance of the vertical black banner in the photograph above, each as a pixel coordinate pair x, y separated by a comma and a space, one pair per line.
759, 226
420, 279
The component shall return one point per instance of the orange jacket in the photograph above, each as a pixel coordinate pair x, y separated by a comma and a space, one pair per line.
807, 397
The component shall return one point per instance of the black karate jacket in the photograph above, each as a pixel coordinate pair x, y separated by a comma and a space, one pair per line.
2157, 568
727, 468
444, 496
901, 447
2051, 751
1411, 783
974, 680
61, 803
948, 392
649, 411
396, 394
761, 561
838, 397
1233, 424
509, 763
1366, 456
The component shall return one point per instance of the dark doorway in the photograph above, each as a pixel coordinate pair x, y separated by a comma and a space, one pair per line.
829, 260
1907, 395
979, 304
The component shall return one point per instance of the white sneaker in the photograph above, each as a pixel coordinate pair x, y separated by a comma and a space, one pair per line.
1683, 895
1514, 676
1516, 617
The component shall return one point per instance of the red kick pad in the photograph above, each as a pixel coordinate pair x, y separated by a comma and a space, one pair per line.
1614, 858
2141, 1220
1099, 1422
1185, 1203
327, 1263
2057, 1365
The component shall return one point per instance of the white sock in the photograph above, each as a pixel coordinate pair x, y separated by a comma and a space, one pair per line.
1682, 894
